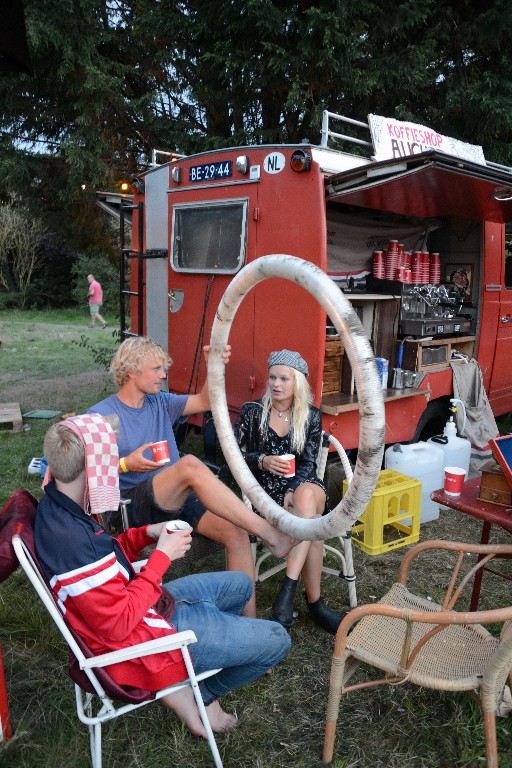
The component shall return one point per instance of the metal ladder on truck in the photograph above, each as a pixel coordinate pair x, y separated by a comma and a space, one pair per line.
125, 264
128, 256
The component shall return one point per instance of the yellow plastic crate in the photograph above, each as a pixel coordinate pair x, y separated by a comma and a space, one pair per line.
392, 518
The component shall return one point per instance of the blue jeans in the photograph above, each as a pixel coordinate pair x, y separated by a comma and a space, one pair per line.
209, 604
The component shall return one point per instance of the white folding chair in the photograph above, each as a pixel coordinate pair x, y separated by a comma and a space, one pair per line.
344, 553
101, 705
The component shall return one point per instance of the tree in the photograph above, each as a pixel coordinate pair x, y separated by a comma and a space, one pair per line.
20, 250
114, 79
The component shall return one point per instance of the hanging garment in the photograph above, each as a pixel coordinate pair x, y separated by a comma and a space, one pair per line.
480, 424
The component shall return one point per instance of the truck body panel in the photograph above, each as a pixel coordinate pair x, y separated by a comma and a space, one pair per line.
205, 216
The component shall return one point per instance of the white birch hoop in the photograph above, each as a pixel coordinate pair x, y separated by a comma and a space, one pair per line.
369, 394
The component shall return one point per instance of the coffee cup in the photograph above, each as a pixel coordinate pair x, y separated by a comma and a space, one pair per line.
160, 452
453, 480
290, 458
172, 526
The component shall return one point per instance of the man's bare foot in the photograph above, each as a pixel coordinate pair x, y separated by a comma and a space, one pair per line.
220, 721
184, 706
278, 542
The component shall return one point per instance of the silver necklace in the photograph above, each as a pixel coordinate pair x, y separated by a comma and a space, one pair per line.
280, 413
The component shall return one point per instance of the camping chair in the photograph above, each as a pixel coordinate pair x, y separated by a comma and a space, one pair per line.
412, 639
344, 554
202, 547
88, 673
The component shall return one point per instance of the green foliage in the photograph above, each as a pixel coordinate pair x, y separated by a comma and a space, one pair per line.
102, 355
10, 300
20, 249
51, 286
114, 80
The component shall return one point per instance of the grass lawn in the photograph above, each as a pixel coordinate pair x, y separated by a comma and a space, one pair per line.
53, 361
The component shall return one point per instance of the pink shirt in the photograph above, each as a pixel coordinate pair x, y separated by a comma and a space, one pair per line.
96, 297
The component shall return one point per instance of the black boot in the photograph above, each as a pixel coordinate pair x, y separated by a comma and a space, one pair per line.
324, 616
282, 608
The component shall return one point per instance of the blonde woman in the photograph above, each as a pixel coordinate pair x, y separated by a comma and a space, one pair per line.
285, 421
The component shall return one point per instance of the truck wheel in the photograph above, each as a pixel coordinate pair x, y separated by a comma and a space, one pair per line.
433, 419
369, 391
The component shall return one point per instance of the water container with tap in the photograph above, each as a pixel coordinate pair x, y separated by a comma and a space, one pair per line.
456, 450
424, 462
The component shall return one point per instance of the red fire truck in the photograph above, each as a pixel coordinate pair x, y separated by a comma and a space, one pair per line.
197, 220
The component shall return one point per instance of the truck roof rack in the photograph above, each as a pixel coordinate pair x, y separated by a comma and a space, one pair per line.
171, 155
326, 132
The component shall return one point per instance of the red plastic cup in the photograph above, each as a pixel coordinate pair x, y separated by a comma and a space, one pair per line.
176, 525
453, 480
161, 452
290, 458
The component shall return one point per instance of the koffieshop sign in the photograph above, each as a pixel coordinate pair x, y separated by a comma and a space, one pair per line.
394, 139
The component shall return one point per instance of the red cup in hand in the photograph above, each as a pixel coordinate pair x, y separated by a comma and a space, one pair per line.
290, 458
161, 452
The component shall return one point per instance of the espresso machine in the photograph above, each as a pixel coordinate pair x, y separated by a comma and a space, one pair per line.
433, 310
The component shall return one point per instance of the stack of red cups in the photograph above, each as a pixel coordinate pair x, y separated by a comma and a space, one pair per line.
425, 267
435, 269
378, 265
416, 266
392, 260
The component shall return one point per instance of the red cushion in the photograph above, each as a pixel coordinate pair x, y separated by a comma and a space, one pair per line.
20, 509
24, 527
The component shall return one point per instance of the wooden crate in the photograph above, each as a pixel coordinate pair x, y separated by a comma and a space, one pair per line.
331, 377
10, 414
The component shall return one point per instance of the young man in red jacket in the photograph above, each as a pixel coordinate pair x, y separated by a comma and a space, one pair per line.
111, 607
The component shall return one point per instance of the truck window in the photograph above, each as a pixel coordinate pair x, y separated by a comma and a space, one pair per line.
209, 237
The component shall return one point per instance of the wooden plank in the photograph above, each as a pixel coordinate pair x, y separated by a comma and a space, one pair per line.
385, 330
334, 404
11, 413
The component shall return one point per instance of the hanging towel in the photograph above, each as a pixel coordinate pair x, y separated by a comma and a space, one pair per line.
101, 462
468, 386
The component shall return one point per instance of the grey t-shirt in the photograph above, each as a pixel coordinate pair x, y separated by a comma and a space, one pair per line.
152, 422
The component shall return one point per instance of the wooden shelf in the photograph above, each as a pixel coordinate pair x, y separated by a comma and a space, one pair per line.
436, 353
335, 404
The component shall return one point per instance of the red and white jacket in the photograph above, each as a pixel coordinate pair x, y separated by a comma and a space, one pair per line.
104, 600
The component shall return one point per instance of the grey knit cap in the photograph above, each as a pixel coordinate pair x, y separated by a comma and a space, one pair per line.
289, 358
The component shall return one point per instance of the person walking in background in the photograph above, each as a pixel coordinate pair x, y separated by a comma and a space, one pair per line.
95, 295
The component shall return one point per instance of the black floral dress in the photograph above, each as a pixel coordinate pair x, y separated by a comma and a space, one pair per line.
249, 436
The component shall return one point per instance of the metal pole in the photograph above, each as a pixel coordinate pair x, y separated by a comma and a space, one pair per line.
140, 281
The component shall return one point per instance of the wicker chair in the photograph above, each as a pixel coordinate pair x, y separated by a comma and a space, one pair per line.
412, 639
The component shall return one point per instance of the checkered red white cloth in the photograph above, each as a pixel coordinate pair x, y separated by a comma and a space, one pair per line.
101, 461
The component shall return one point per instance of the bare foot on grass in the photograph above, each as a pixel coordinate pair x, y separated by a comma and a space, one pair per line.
184, 706
220, 721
